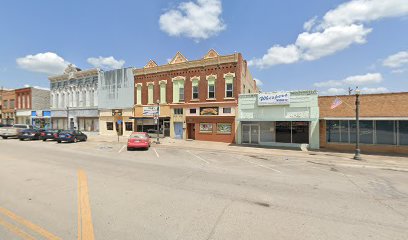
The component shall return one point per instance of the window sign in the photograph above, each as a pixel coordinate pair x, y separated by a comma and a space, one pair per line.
277, 98
206, 127
209, 111
150, 111
224, 128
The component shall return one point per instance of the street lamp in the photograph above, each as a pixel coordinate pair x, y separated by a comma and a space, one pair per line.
158, 122
357, 153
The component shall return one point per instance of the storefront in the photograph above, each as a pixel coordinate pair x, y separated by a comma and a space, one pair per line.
41, 119
23, 116
117, 121
145, 119
86, 120
286, 119
383, 123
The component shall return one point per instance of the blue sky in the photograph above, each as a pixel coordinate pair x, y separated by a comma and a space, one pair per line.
349, 43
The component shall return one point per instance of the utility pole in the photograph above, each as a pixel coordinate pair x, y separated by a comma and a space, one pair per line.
357, 153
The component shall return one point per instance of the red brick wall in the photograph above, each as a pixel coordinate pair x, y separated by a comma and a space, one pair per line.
26, 93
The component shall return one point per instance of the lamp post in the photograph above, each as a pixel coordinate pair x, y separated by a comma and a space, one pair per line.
158, 121
357, 153
68, 126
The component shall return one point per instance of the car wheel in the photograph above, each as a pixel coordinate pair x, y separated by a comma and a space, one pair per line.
44, 140
129, 149
4, 137
21, 139
85, 139
75, 140
58, 141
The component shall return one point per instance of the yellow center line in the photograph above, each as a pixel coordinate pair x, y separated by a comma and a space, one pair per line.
85, 227
28, 224
16, 230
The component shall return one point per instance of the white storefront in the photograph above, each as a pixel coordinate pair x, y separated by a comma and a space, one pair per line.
286, 119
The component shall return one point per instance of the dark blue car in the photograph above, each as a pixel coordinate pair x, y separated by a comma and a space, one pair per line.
71, 136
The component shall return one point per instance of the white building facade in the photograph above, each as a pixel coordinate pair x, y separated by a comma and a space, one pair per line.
74, 100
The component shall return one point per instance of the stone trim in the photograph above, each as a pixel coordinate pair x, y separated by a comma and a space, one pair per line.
178, 78
229, 74
195, 78
162, 82
210, 76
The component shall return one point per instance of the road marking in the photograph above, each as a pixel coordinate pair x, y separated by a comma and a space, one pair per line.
29, 224
122, 149
85, 227
195, 155
157, 154
263, 166
16, 230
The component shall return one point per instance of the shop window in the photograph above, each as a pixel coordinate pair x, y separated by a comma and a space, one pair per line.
128, 126
267, 131
283, 132
385, 132
344, 131
300, 132
333, 131
224, 128
109, 125
206, 127
178, 111
193, 110
403, 132
226, 110
366, 132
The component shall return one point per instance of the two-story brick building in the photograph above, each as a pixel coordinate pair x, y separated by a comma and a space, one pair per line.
8, 106
31, 104
198, 99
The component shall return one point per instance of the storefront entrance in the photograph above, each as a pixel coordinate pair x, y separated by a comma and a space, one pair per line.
191, 130
178, 130
250, 133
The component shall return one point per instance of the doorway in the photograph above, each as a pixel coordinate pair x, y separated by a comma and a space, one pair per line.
178, 130
250, 133
191, 131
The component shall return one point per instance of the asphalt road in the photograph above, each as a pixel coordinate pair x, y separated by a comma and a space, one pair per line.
100, 191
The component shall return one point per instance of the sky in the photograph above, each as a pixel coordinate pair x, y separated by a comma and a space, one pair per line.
289, 45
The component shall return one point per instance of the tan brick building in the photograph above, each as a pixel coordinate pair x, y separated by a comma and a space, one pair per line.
198, 99
8, 110
383, 124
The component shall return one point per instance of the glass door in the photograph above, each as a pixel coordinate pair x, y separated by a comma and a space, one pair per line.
250, 133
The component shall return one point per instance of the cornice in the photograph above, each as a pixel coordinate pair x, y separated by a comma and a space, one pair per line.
76, 75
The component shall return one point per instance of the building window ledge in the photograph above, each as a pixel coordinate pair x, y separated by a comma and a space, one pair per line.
194, 100
211, 99
229, 98
178, 102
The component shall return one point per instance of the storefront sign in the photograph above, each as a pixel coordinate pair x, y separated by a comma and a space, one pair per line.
209, 111
278, 98
150, 111
303, 114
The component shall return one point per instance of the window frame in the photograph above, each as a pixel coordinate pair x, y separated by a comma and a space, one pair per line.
108, 124
126, 126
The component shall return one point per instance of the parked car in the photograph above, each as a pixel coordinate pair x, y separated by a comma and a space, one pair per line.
50, 134
71, 136
13, 131
29, 134
138, 140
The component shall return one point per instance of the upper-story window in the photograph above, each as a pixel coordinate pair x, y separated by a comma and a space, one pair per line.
5, 104
178, 111
178, 89
211, 86
11, 104
163, 91
194, 83
139, 93
150, 92
229, 85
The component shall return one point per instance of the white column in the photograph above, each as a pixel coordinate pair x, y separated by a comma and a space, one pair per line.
87, 96
74, 98
95, 98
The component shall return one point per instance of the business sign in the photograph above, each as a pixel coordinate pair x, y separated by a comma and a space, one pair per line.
150, 111
277, 98
209, 111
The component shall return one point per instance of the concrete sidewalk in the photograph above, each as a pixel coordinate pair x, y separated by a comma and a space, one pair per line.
396, 163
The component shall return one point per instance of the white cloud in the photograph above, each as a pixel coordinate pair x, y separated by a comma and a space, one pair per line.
396, 60
334, 91
106, 63
308, 26
333, 39
330, 83
339, 28
277, 55
258, 82
369, 78
357, 80
197, 20
48, 62
374, 90
361, 11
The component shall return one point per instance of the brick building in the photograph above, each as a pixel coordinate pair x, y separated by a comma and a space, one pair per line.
198, 99
383, 124
8, 106
31, 103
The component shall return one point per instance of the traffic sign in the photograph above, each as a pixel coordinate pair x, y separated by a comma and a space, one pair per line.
119, 121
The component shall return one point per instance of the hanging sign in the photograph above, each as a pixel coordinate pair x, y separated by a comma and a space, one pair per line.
151, 111
276, 98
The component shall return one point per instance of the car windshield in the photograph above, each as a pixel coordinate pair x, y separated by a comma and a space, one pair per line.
28, 130
138, 136
20, 126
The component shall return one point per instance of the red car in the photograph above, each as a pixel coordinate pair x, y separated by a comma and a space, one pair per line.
138, 140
